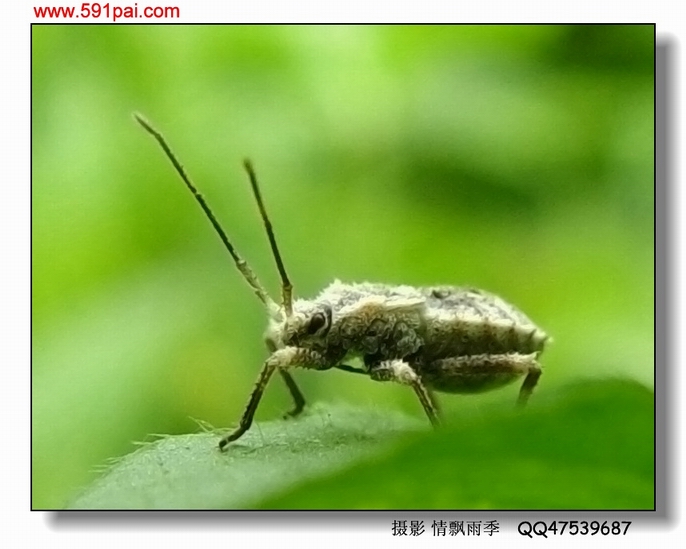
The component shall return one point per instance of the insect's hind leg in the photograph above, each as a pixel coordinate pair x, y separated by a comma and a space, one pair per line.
484, 372
401, 372
528, 385
296, 393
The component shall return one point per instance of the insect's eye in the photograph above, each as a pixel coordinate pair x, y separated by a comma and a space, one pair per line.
317, 321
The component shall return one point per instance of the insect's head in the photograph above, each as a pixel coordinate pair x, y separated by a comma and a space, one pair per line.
306, 327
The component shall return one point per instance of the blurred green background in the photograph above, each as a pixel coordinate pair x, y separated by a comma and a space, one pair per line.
518, 159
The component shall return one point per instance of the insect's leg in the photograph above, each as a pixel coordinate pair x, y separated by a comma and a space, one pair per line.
297, 395
434, 402
293, 389
530, 382
351, 369
401, 372
281, 360
255, 396
479, 373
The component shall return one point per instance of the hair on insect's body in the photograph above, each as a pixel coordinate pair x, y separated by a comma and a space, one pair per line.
446, 339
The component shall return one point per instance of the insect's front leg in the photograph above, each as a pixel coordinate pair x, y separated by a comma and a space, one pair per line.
281, 359
293, 389
401, 372
296, 394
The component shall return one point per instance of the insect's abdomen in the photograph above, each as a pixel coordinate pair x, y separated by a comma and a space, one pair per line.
464, 321
475, 341
467, 337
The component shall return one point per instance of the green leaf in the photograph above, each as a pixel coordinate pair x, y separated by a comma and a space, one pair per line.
189, 471
589, 446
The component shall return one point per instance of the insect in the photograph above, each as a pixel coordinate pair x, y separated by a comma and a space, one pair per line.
434, 339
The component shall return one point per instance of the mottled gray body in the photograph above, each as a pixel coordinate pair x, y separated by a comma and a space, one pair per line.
429, 328
444, 338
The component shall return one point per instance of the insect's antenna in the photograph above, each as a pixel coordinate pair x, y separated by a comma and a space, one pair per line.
241, 264
286, 286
